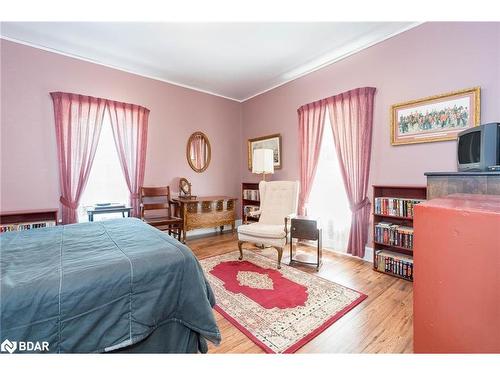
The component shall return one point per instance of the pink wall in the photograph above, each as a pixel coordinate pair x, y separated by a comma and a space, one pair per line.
430, 59
29, 176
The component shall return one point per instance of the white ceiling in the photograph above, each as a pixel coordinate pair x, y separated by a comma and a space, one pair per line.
233, 60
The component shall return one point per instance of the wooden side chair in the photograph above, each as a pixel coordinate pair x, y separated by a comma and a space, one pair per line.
156, 210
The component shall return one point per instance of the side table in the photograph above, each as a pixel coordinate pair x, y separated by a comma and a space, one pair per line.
108, 210
306, 228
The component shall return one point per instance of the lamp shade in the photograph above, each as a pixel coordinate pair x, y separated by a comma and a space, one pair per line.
263, 161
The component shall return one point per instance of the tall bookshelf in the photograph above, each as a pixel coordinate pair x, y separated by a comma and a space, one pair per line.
249, 198
393, 236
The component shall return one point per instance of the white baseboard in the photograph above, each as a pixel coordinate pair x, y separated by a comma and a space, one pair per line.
205, 231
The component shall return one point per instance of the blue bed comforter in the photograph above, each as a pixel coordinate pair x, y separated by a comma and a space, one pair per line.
103, 286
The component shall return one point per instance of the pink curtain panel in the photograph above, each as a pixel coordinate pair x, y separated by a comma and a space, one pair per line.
78, 121
311, 126
351, 117
130, 129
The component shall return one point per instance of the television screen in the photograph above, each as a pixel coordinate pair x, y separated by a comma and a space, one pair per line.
469, 148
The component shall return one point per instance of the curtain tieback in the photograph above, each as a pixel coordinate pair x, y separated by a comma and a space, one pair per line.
67, 203
356, 207
134, 196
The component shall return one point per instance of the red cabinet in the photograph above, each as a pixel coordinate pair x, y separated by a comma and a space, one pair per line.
457, 275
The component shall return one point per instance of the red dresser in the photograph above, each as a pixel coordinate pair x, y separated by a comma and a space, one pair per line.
457, 275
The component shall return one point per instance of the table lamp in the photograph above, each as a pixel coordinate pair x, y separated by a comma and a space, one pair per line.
263, 162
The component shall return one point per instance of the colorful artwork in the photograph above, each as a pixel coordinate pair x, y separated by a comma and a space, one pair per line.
437, 118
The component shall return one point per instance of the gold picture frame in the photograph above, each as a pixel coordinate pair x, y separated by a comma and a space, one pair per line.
272, 141
435, 118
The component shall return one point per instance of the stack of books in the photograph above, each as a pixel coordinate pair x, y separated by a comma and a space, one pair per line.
250, 194
395, 206
394, 234
26, 226
394, 263
250, 208
8, 228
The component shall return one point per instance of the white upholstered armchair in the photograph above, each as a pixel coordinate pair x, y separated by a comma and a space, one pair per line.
278, 204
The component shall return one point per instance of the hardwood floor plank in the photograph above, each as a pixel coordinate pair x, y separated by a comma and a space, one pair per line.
395, 333
350, 335
383, 323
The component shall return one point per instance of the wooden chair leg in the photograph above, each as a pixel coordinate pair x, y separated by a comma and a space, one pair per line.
241, 250
280, 255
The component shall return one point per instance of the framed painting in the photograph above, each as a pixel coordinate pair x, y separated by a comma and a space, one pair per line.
435, 118
272, 142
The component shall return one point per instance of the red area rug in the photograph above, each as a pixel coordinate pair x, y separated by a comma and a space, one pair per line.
279, 310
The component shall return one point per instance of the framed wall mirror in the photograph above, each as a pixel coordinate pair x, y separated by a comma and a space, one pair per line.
198, 152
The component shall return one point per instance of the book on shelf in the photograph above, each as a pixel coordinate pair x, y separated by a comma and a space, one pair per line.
394, 263
251, 194
402, 207
394, 234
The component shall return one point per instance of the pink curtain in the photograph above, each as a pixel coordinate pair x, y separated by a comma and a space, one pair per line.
130, 129
351, 116
311, 125
78, 121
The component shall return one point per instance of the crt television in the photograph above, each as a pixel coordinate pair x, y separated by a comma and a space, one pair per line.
479, 147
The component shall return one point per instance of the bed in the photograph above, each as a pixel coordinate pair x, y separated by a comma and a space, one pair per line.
109, 286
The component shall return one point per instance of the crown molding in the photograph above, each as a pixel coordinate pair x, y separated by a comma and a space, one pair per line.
86, 59
320, 66
337, 59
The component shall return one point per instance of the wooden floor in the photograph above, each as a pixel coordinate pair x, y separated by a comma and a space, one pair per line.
383, 323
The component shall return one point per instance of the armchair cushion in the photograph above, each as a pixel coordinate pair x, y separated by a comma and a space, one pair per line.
263, 230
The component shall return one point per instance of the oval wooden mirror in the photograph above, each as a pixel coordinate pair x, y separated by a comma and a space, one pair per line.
198, 152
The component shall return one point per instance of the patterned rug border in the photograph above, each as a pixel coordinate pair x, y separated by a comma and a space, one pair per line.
310, 336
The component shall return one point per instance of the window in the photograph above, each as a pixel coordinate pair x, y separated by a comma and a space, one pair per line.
106, 183
328, 199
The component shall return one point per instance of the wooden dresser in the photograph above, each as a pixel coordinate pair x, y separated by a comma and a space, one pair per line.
206, 212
